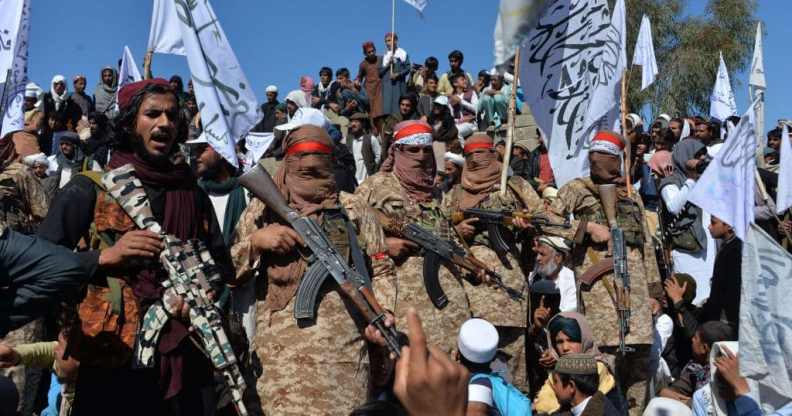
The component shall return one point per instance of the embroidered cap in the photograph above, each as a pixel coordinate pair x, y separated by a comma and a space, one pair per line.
578, 364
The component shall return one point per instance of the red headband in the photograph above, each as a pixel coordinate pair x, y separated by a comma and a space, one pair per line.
609, 137
411, 129
470, 147
309, 147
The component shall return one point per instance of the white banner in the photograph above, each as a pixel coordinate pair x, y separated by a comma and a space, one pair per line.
128, 72
645, 55
418, 4
757, 78
573, 58
225, 97
784, 191
726, 188
766, 319
515, 20
165, 35
14, 32
256, 144
722, 103
757, 85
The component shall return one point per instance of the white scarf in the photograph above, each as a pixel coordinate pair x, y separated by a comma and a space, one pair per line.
60, 100
400, 54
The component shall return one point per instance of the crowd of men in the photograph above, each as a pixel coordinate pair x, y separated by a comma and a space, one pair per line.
512, 303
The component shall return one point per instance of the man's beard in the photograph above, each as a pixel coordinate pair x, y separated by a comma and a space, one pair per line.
371, 58
548, 271
144, 154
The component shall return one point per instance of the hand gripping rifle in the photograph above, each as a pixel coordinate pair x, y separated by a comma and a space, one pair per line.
438, 250
620, 295
328, 262
191, 271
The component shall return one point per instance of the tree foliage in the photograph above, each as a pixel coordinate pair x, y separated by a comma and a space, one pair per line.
687, 48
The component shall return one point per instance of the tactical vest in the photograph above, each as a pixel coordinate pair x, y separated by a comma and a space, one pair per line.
629, 217
109, 315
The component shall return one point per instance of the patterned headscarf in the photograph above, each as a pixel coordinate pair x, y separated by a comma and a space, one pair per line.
415, 171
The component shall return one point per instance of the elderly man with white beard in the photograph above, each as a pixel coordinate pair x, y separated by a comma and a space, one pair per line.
550, 255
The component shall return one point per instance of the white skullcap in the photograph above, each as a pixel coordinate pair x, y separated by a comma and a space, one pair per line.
464, 130
661, 406
455, 158
304, 116
665, 117
441, 99
271, 88
556, 243
635, 119
31, 160
478, 341
32, 90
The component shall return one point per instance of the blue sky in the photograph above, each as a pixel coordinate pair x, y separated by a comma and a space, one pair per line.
277, 41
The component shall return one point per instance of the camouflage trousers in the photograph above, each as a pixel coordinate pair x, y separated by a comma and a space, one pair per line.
27, 380
632, 372
311, 369
440, 325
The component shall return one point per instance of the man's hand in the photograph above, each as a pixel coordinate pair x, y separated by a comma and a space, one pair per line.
467, 228
729, 369
132, 245
314, 100
275, 238
785, 227
690, 169
547, 360
521, 223
8, 356
427, 382
674, 290
374, 336
598, 232
398, 247
673, 394
541, 315
453, 99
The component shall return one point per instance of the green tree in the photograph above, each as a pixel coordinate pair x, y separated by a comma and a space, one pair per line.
686, 47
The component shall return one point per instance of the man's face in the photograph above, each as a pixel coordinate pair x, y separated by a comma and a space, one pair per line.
605, 168
190, 89
718, 228
460, 83
774, 142
272, 96
431, 86
93, 125
547, 260
388, 43
291, 108
518, 153
30, 102
371, 53
191, 105
342, 78
207, 161
454, 63
325, 78
700, 349
156, 125
40, 170
437, 109
79, 85
451, 168
107, 77
501, 149
676, 128
67, 148
59, 87
175, 85
496, 83
702, 132
405, 107
564, 394
356, 126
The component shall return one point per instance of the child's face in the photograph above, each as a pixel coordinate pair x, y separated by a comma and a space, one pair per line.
700, 349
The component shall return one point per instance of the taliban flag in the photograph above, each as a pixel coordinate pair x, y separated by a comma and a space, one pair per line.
14, 31
722, 103
573, 58
644, 54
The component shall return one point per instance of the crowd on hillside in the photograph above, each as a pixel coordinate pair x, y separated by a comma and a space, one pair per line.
531, 317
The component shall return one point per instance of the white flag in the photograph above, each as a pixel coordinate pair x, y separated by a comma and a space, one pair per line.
227, 102
418, 4
256, 144
726, 188
766, 319
515, 20
722, 103
574, 59
128, 72
757, 78
645, 55
14, 32
784, 195
165, 35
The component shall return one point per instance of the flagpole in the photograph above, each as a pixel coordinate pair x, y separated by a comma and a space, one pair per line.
628, 145
393, 35
512, 120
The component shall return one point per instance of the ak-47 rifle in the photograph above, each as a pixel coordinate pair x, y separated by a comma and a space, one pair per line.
620, 294
191, 274
328, 262
438, 250
496, 220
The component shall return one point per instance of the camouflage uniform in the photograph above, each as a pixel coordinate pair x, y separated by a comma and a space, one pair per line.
322, 368
580, 198
384, 193
490, 302
23, 203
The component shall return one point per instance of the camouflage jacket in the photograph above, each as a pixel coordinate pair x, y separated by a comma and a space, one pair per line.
580, 198
23, 202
